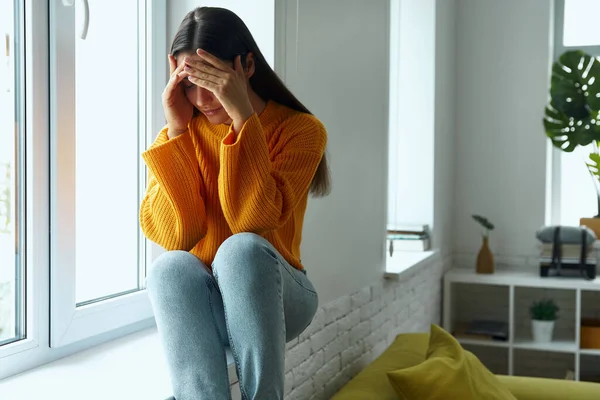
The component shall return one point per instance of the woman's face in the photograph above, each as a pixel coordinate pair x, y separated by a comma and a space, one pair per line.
203, 99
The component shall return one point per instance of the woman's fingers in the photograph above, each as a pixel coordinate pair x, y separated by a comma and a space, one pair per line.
176, 77
202, 74
215, 61
209, 69
203, 83
173, 67
172, 64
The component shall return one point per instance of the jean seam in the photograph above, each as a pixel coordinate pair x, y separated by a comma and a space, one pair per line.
208, 282
236, 359
282, 315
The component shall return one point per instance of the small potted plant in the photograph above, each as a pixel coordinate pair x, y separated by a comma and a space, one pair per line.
543, 315
485, 258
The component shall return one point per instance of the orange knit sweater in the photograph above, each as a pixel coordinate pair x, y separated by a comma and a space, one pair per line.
210, 182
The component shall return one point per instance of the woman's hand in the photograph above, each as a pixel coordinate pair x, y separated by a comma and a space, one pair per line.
228, 84
178, 109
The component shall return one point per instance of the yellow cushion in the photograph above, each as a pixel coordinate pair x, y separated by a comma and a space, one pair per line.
448, 372
372, 383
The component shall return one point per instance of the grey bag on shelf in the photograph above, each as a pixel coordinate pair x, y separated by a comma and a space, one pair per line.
567, 234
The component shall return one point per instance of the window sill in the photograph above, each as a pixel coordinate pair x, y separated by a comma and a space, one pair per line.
132, 367
404, 261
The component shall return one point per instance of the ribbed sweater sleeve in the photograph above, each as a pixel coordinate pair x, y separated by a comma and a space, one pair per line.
172, 213
259, 188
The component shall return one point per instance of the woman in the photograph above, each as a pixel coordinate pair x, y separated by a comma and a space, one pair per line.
229, 179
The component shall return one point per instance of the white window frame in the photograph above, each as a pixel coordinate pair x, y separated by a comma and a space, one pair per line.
553, 193
67, 330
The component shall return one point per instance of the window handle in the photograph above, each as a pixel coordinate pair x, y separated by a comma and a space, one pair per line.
85, 21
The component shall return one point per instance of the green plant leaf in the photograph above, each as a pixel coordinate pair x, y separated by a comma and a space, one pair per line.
567, 133
594, 164
483, 221
575, 76
571, 117
544, 310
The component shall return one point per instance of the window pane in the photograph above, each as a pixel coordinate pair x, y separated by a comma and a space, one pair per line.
578, 192
581, 23
107, 154
12, 313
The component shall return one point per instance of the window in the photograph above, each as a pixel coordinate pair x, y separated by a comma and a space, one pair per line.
116, 110
411, 119
83, 102
98, 129
580, 23
12, 313
573, 192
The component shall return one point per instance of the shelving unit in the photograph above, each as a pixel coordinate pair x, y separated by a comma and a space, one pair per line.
506, 296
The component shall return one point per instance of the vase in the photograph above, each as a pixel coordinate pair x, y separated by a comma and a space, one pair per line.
485, 259
542, 330
592, 223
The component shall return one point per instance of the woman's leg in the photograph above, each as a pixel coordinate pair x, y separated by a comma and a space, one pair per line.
189, 315
267, 303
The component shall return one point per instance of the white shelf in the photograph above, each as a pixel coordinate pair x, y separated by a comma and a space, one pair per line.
590, 352
481, 342
525, 277
559, 346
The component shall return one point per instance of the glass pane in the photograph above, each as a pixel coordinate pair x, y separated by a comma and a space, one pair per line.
12, 314
581, 23
578, 192
107, 154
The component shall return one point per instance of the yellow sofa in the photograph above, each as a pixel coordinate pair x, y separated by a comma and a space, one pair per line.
409, 349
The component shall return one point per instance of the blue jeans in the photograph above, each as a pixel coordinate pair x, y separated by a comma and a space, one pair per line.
253, 302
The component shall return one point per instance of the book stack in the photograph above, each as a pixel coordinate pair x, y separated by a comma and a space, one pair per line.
572, 260
408, 238
569, 253
482, 330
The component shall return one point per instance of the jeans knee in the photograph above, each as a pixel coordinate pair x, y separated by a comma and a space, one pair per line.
244, 256
173, 268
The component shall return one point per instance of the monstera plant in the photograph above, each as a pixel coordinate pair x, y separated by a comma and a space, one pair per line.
571, 118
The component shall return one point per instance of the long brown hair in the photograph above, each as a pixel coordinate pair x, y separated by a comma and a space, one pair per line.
223, 34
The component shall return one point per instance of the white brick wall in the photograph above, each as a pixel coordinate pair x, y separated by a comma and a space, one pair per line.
350, 332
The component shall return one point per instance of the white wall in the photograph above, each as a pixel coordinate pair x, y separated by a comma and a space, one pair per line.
503, 60
445, 124
258, 15
339, 69
341, 74
337, 64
